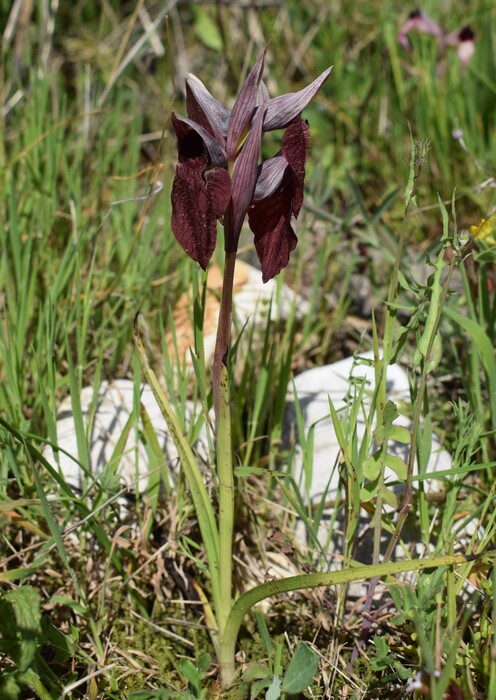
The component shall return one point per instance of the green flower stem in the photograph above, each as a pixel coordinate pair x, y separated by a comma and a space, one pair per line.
225, 472
226, 498
294, 583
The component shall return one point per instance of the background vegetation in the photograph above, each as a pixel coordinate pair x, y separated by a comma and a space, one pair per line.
90, 593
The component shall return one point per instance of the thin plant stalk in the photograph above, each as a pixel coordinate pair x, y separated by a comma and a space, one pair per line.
226, 498
221, 354
224, 461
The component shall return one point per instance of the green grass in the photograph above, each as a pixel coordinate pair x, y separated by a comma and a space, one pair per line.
85, 243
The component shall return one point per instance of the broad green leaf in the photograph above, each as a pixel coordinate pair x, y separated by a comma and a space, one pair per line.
390, 413
301, 670
203, 662
368, 491
388, 431
10, 688
32, 680
353, 573
255, 672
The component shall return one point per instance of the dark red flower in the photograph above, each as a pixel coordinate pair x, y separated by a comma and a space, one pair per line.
201, 190
213, 142
278, 196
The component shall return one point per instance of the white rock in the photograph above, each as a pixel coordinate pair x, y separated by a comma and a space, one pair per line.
106, 423
254, 298
314, 388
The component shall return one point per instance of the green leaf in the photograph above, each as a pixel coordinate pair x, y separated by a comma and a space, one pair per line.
392, 432
157, 466
484, 346
381, 645
371, 467
388, 431
64, 644
20, 624
390, 413
73, 604
201, 499
160, 694
257, 687
10, 688
264, 632
204, 662
397, 464
258, 471
190, 672
255, 672
32, 680
389, 497
368, 491
274, 692
301, 671
206, 30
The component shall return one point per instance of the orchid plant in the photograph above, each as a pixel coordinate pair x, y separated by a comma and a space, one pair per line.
220, 178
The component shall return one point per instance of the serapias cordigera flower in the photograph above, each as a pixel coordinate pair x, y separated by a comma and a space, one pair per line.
219, 176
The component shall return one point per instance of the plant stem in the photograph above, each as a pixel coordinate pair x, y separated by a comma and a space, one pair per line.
224, 457
221, 354
226, 498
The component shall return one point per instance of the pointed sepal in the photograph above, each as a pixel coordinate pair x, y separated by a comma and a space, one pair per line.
205, 109
244, 107
283, 109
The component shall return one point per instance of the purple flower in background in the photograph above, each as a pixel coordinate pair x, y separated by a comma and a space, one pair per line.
219, 178
420, 22
462, 39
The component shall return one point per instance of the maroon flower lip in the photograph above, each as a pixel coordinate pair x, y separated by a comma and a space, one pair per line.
219, 178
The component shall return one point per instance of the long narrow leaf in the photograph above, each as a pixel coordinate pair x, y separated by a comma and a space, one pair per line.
486, 350
199, 494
